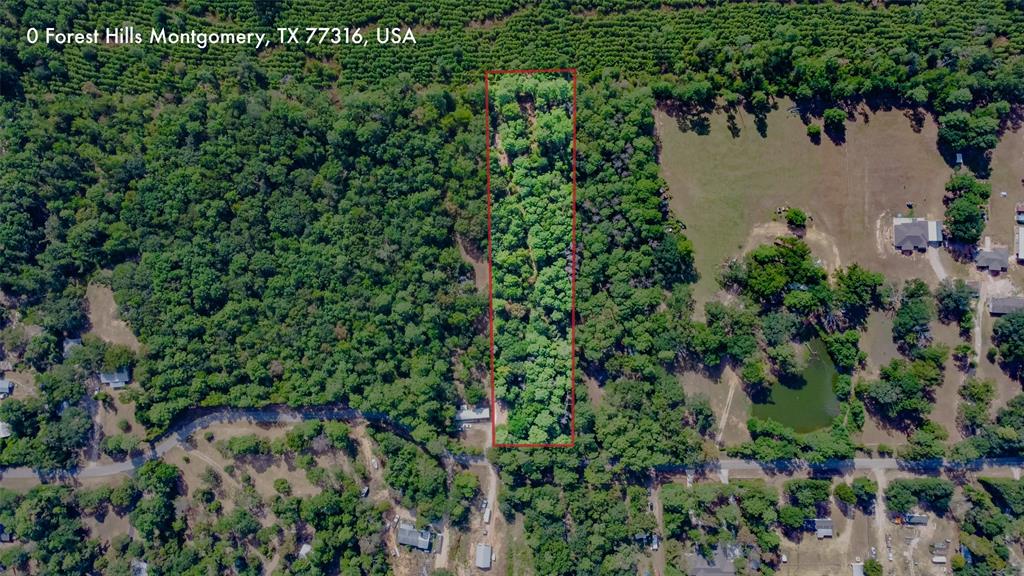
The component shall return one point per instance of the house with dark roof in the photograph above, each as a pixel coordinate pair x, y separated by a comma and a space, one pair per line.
720, 563
410, 536
911, 234
1000, 306
995, 259
916, 519
117, 379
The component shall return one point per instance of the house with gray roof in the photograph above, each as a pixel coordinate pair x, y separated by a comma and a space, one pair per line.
483, 556
410, 536
916, 519
824, 528
117, 379
70, 344
911, 234
721, 563
995, 259
1000, 306
6, 387
473, 414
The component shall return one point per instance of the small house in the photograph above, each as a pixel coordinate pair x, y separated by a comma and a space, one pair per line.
1020, 243
471, 414
484, 555
305, 549
117, 379
858, 568
721, 563
824, 528
487, 515
5, 430
1020, 212
1000, 306
70, 344
5, 534
911, 234
6, 387
139, 567
996, 259
916, 519
410, 536
939, 560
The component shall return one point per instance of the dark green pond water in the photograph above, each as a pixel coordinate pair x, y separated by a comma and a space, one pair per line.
804, 404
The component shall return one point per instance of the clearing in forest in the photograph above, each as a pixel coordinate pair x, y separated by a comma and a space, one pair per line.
531, 122
728, 179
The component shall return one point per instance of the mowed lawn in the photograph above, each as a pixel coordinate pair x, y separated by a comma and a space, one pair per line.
1007, 176
722, 186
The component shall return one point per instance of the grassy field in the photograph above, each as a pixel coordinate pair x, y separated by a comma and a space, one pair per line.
723, 186
727, 182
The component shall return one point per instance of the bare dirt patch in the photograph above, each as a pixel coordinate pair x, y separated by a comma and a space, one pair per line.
733, 425
594, 391
478, 260
822, 246
24, 384
105, 321
494, 533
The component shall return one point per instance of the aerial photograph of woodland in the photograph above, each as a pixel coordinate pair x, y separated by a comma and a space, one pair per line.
512, 287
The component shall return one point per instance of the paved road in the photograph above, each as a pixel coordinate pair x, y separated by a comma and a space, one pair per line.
856, 464
935, 261
283, 415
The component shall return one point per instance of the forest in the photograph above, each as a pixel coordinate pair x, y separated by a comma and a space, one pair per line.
532, 250
282, 228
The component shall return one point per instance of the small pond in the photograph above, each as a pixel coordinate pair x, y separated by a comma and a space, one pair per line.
807, 403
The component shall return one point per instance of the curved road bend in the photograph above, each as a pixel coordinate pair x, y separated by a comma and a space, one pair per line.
282, 415
179, 435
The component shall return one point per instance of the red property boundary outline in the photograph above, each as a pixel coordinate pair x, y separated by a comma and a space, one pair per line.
490, 260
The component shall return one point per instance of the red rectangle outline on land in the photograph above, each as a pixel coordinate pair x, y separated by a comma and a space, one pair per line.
572, 274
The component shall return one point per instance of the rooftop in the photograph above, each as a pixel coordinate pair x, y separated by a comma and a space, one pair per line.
1005, 305
720, 564
911, 235
410, 536
917, 519
6, 386
468, 414
824, 527
483, 556
997, 258
116, 379
70, 344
